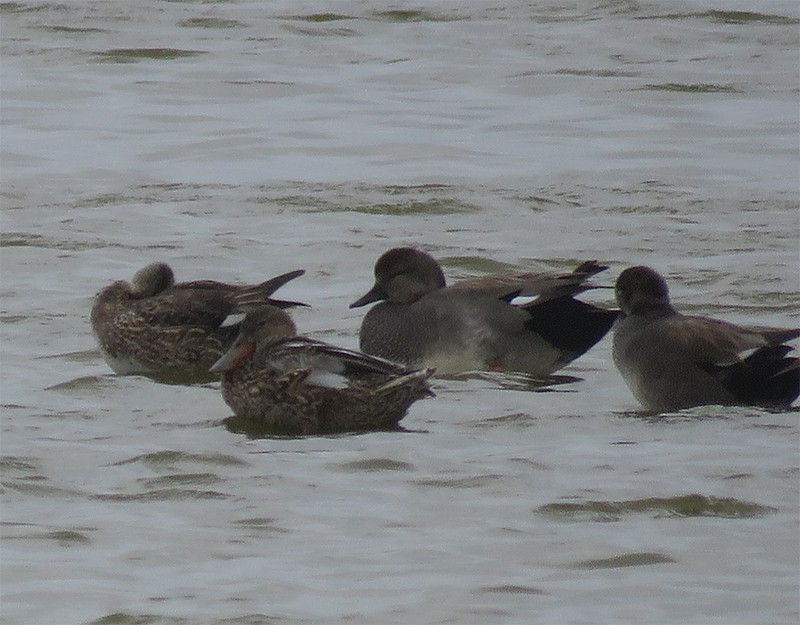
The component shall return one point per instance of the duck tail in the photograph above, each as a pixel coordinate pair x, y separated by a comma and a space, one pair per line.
249, 297
575, 282
589, 268
418, 377
767, 377
776, 336
569, 324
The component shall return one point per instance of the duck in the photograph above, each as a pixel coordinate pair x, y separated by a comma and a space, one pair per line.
672, 361
174, 331
475, 324
295, 385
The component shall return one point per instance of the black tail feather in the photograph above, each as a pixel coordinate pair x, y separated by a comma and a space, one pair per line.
569, 324
768, 377
273, 284
259, 294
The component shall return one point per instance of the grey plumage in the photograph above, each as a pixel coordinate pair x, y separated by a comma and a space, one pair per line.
473, 324
672, 361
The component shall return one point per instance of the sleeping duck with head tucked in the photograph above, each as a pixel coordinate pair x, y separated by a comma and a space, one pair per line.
173, 330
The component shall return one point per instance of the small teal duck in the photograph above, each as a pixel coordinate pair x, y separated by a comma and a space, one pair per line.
672, 361
155, 326
474, 324
294, 385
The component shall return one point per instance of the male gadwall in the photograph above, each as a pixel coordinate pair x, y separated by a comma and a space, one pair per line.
158, 327
296, 385
473, 324
672, 361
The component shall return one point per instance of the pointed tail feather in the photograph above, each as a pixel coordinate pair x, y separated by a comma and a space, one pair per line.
419, 376
259, 294
574, 283
589, 268
273, 284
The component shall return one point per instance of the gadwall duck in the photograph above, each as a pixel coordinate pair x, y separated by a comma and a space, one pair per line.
158, 327
296, 385
672, 361
474, 324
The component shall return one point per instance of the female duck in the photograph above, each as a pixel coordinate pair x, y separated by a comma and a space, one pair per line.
296, 385
156, 326
672, 361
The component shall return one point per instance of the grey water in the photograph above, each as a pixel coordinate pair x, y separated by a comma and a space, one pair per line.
239, 140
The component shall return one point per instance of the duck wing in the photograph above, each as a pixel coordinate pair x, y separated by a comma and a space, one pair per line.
248, 296
545, 285
721, 343
305, 353
768, 376
185, 307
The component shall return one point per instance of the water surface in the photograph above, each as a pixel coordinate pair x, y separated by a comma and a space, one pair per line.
241, 140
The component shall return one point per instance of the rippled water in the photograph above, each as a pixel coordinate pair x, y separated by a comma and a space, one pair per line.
239, 140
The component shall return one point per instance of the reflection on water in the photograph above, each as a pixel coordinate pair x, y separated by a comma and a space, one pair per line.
238, 140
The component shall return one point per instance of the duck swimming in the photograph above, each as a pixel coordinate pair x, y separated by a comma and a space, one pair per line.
473, 324
291, 384
155, 326
672, 361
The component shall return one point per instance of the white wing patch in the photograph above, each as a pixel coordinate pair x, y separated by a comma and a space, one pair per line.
326, 379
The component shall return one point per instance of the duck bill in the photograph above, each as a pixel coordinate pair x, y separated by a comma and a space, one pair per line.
375, 294
234, 357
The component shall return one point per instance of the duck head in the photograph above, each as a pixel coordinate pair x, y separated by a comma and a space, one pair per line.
402, 276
